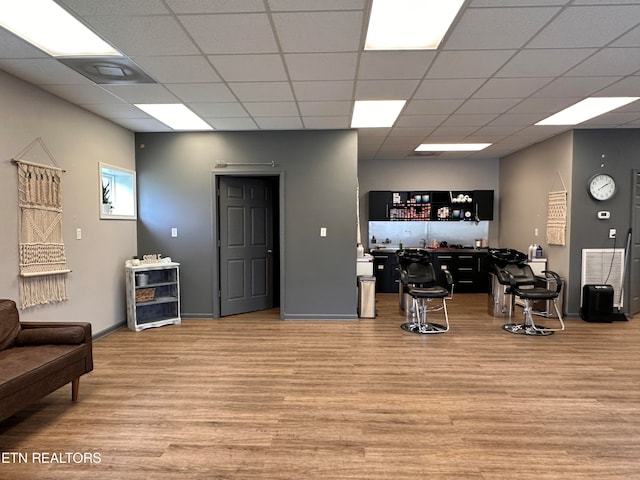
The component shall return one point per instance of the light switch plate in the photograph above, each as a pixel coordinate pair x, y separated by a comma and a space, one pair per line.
323, 231
174, 232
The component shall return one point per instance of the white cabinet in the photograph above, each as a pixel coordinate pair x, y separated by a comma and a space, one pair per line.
153, 295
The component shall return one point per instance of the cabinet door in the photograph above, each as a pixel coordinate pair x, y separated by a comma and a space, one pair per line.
379, 205
483, 200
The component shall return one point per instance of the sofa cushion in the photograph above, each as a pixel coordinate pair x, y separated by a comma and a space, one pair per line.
50, 336
9, 323
22, 367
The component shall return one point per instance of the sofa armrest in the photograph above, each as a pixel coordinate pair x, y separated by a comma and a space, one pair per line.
86, 326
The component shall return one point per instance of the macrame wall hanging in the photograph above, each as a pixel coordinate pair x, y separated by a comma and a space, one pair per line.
557, 218
43, 265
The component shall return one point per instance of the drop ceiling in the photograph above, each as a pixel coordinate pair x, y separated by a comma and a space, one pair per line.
300, 64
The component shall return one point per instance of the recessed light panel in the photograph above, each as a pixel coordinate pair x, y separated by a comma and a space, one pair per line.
174, 115
410, 24
586, 110
451, 147
51, 28
376, 113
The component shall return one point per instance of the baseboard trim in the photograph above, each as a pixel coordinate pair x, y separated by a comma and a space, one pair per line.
319, 316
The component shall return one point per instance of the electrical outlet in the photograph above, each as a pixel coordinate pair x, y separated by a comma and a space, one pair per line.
78, 234
323, 231
612, 233
174, 232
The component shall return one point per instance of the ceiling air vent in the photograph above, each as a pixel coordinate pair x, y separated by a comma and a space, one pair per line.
108, 70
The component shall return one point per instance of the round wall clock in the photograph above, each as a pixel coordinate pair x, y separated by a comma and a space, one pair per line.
601, 186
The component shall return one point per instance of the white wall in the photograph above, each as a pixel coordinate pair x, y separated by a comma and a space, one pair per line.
78, 140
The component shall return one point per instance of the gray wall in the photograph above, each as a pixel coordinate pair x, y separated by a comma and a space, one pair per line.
428, 174
616, 152
175, 174
78, 140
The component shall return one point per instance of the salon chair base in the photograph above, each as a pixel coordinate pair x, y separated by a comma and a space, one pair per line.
522, 329
420, 328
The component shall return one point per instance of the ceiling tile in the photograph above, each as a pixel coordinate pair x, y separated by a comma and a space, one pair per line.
279, 123
469, 64
495, 28
510, 87
587, 26
178, 69
219, 6
115, 110
218, 109
385, 89
453, 88
309, 5
201, 92
454, 131
609, 61
574, 86
327, 90
420, 120
247, 68
81, 94
516, 119
627, 87
544, 62
383, 65
15, 47
262, 91
319, 31
42, 71
231, 33
326, 122
232, 123
487, 105
101, 7
430, 107
542, 105
144, 36
518, 3
476, 120
142, 93
272, 109
320, 109
629, 39
321, 66
143, 125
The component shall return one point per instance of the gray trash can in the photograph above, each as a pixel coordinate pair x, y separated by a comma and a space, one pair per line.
367, 297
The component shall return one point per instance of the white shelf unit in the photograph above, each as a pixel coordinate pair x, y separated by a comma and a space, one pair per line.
153, 295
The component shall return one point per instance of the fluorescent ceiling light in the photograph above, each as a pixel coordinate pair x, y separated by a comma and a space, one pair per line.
51, 28
586, 109
174, 115
376, 113
409, 24
451, 147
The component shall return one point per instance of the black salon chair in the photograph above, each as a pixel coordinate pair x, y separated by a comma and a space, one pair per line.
418, 278
510, 268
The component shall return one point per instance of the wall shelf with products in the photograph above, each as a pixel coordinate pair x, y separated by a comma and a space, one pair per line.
438, 205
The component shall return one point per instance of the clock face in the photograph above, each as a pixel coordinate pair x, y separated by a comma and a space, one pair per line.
602, 186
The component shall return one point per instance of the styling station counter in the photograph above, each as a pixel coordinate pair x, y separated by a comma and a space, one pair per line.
469, 268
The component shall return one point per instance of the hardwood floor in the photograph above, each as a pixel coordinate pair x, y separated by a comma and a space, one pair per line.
254, 397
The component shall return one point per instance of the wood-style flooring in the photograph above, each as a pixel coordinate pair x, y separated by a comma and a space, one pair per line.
255, 397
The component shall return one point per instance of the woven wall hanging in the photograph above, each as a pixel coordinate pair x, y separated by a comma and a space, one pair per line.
43, 265
557, 218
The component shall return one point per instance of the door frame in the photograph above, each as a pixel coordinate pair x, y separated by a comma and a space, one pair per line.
248, 173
